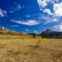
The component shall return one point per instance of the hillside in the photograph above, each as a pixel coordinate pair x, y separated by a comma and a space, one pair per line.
4, 30
51, 34
6, 33
22, 48
15, 48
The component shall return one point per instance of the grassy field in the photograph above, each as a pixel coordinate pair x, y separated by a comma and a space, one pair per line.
22, 49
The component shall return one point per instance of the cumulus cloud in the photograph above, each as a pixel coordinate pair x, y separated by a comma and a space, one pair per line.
29, 22
58, 27
44, 3
2, 13
52, 16
48, 11
57, 9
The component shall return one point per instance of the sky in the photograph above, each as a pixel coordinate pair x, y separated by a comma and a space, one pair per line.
31, 16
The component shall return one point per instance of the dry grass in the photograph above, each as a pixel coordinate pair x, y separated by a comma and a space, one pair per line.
22, 49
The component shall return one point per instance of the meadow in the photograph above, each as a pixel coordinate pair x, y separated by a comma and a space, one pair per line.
18, 48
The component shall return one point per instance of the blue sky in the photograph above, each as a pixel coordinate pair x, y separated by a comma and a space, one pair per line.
31, 15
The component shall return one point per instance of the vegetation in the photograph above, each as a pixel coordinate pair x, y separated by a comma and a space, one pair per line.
52, 35
15, 48
48, 34
39, 41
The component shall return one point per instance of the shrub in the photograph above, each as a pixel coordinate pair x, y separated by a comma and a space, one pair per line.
39, 41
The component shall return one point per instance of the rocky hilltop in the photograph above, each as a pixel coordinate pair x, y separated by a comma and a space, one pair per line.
3, 29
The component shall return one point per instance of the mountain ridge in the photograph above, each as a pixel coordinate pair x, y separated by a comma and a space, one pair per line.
49, 33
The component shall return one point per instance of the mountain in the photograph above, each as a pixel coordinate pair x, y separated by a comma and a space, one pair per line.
49, 33
4, 30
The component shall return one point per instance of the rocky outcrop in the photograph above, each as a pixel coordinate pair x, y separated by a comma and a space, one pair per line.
3, 29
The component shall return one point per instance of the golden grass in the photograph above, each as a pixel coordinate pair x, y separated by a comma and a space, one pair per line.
21, 49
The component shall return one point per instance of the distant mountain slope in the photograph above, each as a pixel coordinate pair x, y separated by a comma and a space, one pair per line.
51, 34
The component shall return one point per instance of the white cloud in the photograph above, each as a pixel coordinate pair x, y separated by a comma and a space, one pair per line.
58, 27
52, 16
2, 13
29, 22
57, 7
55, 20
51, 20
48, 11
12, 11
19, 6
35, 31
16, 8
48, 19
44, 3
26, 30
28, 16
